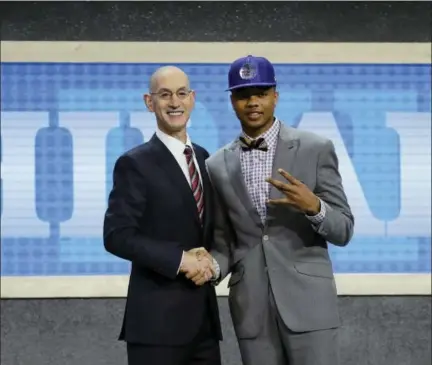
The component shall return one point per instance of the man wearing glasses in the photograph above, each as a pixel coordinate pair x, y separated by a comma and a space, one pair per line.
159, 217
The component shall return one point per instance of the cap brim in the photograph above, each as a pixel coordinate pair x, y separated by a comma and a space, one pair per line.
244, 86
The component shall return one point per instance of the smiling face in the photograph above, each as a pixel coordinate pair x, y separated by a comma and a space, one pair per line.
254, 107
171, 99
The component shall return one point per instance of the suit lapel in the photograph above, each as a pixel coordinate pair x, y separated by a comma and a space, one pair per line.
174, 173
233, 164
285, 155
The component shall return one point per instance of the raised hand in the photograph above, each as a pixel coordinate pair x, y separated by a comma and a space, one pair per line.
296, 194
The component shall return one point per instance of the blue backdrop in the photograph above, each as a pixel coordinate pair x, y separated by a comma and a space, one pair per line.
63, 126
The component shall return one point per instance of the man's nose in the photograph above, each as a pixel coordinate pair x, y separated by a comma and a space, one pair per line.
252, 100
174, 101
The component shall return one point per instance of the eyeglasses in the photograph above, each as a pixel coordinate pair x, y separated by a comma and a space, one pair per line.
167, 95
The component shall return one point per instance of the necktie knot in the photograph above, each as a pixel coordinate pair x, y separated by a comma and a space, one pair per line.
188, 152
257, 144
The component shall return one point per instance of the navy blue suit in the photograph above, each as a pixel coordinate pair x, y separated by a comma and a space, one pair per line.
151, 218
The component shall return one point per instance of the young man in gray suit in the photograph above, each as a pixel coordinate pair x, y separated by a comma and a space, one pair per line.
280, 200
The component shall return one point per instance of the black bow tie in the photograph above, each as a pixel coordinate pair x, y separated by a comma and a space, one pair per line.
257, 144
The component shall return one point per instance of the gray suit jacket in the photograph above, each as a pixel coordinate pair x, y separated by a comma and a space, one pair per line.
287, 248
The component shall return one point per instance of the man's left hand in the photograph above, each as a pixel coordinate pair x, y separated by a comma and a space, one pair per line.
296, 194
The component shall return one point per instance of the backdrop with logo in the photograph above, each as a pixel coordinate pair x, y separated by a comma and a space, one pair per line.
63, 125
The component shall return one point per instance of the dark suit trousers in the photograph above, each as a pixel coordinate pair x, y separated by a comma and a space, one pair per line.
203, 350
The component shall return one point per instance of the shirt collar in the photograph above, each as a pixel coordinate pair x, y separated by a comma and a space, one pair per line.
271, 135
176, 146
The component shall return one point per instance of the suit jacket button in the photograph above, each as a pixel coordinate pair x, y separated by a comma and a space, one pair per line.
265, 238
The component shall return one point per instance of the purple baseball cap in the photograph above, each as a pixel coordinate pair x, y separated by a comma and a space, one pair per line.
251, 71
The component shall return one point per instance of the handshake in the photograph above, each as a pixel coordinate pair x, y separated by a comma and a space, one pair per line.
197, 265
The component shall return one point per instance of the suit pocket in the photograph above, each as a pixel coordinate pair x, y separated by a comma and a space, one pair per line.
236, 276
314, 269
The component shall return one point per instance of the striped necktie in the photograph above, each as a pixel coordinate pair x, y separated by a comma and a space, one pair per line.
195, 182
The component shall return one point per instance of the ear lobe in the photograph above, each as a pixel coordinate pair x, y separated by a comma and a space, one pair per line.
193, 96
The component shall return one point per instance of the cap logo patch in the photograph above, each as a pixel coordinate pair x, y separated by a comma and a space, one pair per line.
248, 71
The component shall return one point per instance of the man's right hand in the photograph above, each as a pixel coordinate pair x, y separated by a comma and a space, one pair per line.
197, 265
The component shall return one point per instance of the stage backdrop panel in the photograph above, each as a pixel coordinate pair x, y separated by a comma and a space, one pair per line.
64, 124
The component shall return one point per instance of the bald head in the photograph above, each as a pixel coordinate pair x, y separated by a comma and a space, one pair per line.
171, 99
167, 76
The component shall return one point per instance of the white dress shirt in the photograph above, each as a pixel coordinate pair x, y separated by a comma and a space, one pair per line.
177, 147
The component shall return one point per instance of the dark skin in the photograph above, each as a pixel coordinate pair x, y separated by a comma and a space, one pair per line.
296, 194
262, 102
254, 107
249, 100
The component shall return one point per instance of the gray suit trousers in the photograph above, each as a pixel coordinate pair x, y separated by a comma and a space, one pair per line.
277, 345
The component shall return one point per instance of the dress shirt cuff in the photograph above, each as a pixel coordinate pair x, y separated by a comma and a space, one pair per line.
217, 271
181, 261
318, 218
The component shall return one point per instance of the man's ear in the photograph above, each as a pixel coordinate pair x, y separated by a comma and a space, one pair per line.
232, 98
148, 102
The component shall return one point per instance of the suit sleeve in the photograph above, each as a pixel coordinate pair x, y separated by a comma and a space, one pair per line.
223, 237
337, 226
122, 235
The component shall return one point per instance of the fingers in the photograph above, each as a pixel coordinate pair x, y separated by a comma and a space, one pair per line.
283, 187
201, 280
289, 177
202, 272
200, 269
201, 277
196, 274
199, 250
203, 254
212, 269
196, 269
200, 253
291, 189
